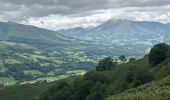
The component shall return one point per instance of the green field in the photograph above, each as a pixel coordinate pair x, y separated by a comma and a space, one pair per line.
7, 81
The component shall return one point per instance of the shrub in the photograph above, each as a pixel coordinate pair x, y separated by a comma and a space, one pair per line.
158, 54
106, 64
137, 76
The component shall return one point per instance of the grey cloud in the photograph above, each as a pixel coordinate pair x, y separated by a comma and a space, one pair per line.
20, 10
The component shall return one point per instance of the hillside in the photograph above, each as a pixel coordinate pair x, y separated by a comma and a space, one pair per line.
158, 90
131, 80
32, 35
117, 29
100, 84
32, 91
21, 62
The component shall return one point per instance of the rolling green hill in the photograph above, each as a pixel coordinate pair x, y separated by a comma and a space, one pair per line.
22, 62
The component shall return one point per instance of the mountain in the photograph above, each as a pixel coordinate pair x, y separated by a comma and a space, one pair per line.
77, 32
124, 28
116, 31
19, 33
125, 36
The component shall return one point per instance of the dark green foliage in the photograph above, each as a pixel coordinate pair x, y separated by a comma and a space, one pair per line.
157, 90
158, 54
106, 64
97, 92
61, 91
132, 59
90, 87
123, 58
23, 92
137, 76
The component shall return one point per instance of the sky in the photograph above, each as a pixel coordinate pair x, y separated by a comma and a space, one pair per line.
65, 14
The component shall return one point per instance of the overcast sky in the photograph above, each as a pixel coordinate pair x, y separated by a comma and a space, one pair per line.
57, 14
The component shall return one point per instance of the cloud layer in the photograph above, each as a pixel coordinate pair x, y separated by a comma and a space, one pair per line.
57, 14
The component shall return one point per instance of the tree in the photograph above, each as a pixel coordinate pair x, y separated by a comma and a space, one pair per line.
158, 54
123, 58
132, 59
61, 91
105, 64
137, 76
97, 92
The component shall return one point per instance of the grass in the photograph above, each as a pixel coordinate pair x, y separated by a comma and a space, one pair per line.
136, 96
12, 61
7, 81
159, 90
3, 69
52, 78
77, 72
19, 45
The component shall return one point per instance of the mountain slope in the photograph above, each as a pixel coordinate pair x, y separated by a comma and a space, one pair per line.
31, 35
125, 31
136, 37
77, 32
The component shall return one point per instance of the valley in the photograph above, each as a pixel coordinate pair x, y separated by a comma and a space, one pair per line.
33, 54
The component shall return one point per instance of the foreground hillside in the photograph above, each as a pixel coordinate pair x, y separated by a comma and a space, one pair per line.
152, 91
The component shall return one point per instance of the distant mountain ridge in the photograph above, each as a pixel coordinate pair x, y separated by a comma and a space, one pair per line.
77, 32
122, 29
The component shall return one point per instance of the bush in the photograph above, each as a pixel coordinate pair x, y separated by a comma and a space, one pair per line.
89, 87
106, 64
158, 54
123, 58
137, 76
61, 91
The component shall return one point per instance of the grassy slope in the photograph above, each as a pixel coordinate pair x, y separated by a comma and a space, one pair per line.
159, 90
117, 76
